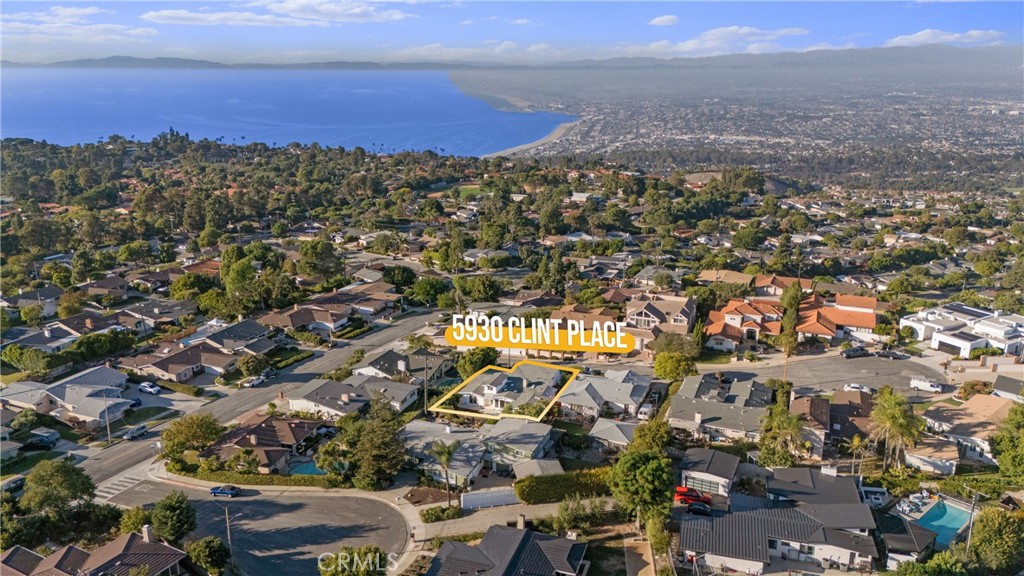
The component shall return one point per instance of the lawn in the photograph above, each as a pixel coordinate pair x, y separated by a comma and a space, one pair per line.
713, 357
148, 413
8, 375
469, 192
606, 555
570, 427
922, 406
23, 464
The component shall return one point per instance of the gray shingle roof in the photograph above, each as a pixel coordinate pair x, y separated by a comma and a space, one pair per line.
509, 552
713, 462
810, 485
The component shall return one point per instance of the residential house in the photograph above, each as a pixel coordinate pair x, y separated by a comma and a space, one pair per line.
79, 405
971, 425
467, 461
539, 467
613, 434
584, 315
245, 337
772, 286
308, 317
8, 448
814, 419
330, 398
905, 541
646, 277
532, 298
155, 280
60, 334
494, 390
413, 366
958, 329
720, 408
742, 321
510, 441
120, 557
98, 376
710, 471
504, 550
1009, 387
617, 393
649, 315
708, 277
111, 288
813, 486
179, 363
933, 454
157, 313
849, 415
46, 298
763, 537
272, 439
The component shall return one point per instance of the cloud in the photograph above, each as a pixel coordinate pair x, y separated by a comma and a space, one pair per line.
283, 13
666, 20
538, 48
725, 40
932, 36
490, 50
68, 25
522, 21
465, 23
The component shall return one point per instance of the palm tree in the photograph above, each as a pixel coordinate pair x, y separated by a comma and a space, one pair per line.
895, 424
858, 448
443, 453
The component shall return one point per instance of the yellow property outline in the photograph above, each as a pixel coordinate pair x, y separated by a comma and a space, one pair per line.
437, 405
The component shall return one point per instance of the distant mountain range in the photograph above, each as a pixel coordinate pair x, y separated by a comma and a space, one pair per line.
934, 55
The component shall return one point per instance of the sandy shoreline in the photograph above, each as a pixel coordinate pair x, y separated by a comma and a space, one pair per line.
560, 131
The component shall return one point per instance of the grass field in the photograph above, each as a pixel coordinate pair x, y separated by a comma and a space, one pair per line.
469, 192
606, 555
10, 375
23, 464
712, 357
570, 427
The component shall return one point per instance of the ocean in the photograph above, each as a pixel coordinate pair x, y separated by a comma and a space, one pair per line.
381, 111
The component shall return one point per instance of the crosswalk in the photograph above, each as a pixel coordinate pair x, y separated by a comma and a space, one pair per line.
111, 489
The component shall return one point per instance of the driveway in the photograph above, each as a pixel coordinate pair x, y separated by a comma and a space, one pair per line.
275, 532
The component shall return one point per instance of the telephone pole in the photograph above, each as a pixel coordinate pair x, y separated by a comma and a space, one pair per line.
974, 504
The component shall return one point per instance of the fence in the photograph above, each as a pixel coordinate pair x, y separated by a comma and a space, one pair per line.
489, 498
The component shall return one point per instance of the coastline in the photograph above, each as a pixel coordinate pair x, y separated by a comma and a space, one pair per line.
560, 131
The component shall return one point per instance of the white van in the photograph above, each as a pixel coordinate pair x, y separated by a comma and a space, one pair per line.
925, 385
646, 411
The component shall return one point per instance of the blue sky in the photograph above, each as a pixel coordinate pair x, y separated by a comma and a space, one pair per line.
516, 32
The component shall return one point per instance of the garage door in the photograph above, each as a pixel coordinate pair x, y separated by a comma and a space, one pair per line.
703, 485
949, 348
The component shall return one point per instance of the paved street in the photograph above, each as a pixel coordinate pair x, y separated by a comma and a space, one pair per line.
275, 532
107, 463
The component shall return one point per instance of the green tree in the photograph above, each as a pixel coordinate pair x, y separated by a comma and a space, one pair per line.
209, 553
379, 452
673, 366
427, 290
443, 453
657, 535
134, 252
362, 561
653, 435
133, 519
174, 517
895, 424
335, 460
243, 461
1007, 446
642, 483
252, 364
55, 488
71, 303
318, 258
240, 284
997, 545
575, 513
401, 276
196, 431
190, 285
475, 360
663, 280
32, 315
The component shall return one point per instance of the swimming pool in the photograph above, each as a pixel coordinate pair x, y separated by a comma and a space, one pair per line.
307, 468
945, 520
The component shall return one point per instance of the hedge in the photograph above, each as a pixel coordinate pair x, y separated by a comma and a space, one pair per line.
239, 479
182, 388
558, 487
293, 360
440, 513
348, 334
436, 543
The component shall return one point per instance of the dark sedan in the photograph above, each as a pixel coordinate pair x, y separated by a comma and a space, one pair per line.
39, 443
889, 355
227, 490
698, 508
858, 352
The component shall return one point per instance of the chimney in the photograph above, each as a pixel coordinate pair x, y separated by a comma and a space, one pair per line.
521, 522
254, 439
88, 323
447, 429
295, 306
46, 332
241, 317
697, 417
345, 398
403, 366
829, 470
147, 533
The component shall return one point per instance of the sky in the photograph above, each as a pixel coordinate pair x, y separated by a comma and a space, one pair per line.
295, 31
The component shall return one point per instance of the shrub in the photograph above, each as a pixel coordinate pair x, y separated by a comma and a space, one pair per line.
440, 513
293, 360
558, 487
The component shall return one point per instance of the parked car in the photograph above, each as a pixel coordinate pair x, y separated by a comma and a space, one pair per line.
688, 495
226, 490
39, 443
135, 402
646, 411
758, 349
698, 508
925, 385
858, 388
889, 355
254, 381
136, 432
858, 352
149, 388
13, 484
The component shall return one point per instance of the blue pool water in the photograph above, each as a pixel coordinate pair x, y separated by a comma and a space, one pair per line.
945, 520
307, 468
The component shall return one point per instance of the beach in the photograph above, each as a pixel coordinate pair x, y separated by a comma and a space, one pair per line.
560, 131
